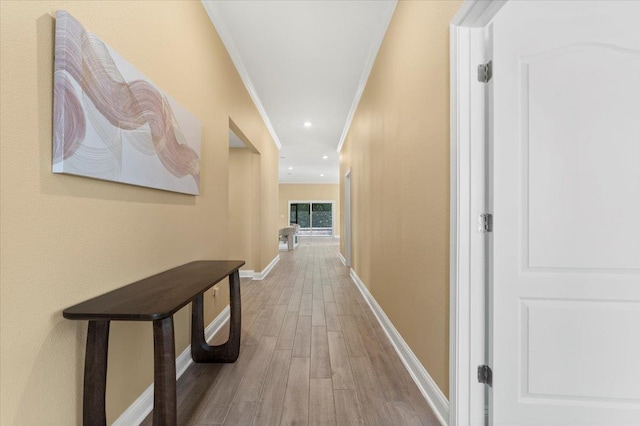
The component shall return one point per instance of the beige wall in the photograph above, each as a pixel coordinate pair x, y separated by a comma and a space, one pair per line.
244, 208
398, 151
65, 239
309, 192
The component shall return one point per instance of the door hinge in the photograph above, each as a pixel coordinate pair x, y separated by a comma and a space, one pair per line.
485, 72
485, 375
485, 223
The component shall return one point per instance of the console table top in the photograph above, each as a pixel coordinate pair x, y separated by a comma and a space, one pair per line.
155, 297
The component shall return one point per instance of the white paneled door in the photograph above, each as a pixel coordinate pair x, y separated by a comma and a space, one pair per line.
565, 327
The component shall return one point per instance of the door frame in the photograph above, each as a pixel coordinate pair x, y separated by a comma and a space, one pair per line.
347, 218
310, 202
467, 329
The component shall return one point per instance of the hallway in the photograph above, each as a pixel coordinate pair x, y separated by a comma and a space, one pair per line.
312, 353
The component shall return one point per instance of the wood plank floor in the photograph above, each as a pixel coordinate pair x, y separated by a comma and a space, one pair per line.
312, 353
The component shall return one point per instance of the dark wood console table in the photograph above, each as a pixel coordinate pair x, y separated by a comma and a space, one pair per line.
156, 299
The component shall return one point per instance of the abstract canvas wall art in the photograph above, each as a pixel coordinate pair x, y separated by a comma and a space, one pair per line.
112, 123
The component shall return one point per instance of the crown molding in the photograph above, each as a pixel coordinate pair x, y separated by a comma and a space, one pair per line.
225, 36
363, 80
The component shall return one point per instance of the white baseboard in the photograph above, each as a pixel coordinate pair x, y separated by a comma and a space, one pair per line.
250, 273
420, 375
141, 407
342, 259
139, 410
246, 273
263, 274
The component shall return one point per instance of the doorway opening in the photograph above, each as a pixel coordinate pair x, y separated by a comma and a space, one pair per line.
525, 285
347, 218
244, 206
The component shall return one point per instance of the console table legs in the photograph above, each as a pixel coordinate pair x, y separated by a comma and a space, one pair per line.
146, 300
201, 351
164, 394
164, 398
95, 374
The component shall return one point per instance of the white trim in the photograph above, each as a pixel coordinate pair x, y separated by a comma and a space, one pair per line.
363, 80
139, 410
246, 273
459, 330
476, 13
310, 202
142, 406
263, 274
466, 303
347, 208
223, 32
342, 259
419, 374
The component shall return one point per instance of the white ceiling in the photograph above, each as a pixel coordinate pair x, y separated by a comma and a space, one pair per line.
304, 61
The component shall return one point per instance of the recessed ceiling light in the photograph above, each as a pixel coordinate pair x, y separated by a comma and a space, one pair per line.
307, 124
324, 157
290, 168
321, 175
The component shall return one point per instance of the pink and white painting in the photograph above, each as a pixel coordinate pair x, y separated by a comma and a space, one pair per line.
112, 123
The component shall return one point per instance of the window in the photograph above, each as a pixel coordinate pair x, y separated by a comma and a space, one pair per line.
314, 218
